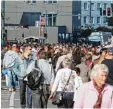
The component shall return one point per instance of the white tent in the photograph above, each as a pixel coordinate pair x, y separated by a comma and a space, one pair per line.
34, 37
94, 38
40, 39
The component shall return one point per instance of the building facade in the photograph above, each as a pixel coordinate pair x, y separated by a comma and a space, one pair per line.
93, 13
61, 17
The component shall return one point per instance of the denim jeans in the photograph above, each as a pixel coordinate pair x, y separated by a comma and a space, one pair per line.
28, 97
22, 93
11, 79
40, 97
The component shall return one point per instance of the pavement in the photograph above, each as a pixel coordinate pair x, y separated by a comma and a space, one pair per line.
12, 99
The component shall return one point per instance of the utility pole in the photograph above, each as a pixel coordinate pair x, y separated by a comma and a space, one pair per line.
3, 21
45, 26
45, 30
90, 14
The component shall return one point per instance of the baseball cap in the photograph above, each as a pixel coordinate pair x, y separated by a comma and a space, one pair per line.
110, 50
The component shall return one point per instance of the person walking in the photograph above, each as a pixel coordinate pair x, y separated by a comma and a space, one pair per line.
40, 96
96, 93
8, 64
64, 83
108, 61
84, 70
20, 68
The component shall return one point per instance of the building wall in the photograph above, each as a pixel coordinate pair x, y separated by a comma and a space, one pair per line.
63, 9
14, 11
76, 10
95, 13
52, 35
33, 31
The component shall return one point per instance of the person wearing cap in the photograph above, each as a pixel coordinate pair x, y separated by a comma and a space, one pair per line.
99, 60
108, 61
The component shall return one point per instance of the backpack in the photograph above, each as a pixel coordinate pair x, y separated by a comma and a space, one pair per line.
34, 78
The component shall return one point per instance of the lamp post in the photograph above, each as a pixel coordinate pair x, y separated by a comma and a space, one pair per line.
3, 21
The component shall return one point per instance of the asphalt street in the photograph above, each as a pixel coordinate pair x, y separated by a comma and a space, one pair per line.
12, 99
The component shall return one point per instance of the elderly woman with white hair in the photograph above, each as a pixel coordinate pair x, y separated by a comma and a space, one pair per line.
64, 85
96, 93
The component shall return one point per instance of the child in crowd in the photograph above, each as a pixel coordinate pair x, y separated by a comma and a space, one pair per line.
78, 81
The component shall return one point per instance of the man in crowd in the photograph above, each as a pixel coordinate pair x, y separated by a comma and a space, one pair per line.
101, 57
108, 61
40, 96
21, 66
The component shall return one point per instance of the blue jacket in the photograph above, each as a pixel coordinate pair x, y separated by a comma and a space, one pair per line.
20, 67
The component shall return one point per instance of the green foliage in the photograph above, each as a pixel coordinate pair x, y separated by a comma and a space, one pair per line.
112, 31
87, 32
110, 21
104, 29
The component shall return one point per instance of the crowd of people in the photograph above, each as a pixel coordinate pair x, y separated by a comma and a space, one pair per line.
78, 76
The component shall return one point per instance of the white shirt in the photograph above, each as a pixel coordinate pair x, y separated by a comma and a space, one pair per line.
78, 83
61, 79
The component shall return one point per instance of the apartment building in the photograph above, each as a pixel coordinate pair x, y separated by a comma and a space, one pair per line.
93, 13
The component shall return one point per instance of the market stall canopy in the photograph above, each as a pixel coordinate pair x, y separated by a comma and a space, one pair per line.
94, 38
30, 39
34, 37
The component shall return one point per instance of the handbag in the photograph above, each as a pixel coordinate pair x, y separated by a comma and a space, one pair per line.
59, 97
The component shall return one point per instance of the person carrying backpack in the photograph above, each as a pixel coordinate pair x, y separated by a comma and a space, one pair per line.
20, 68
40, 77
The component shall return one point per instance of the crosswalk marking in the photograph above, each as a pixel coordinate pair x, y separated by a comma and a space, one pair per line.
11, 103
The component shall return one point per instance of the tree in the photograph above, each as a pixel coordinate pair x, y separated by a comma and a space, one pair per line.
110, 21
104, 29
86, 32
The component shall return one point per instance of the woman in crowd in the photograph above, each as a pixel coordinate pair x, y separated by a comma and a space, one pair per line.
64, 82
96, 93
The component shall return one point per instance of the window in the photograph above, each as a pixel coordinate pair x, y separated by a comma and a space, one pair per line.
51, 19
104, 19
85, 20
45, 1
92, 6
98, 6
29, 18
30, 1
105, 6
85, 6
54, 19
98, 20
50, 1
33, 1
92, 20
54, 1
